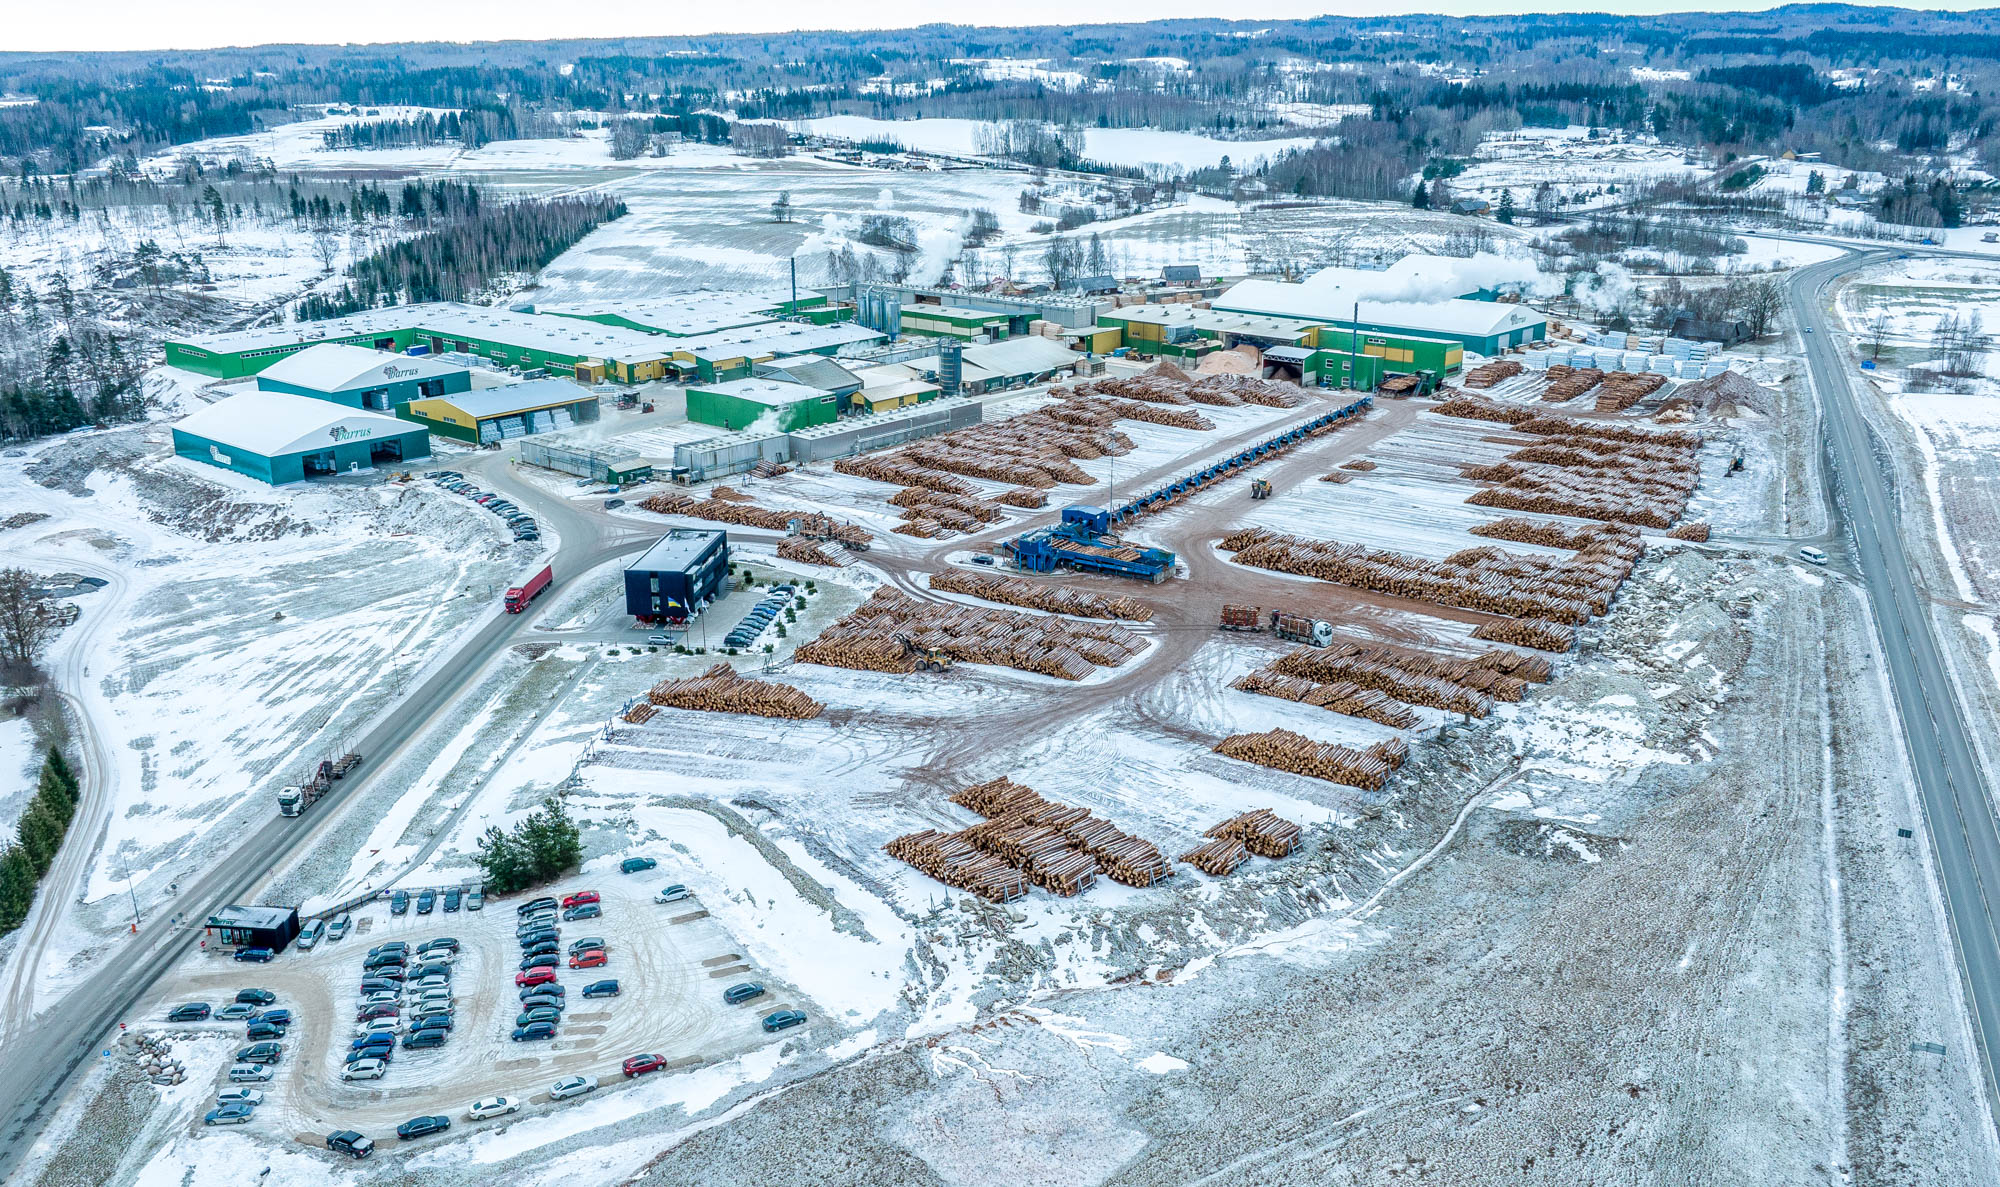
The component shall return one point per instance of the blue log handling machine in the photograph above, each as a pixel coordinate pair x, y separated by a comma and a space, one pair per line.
1188, 484
1083, 541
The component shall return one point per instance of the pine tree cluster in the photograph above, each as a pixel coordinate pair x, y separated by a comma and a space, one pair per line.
36, 838
537, 849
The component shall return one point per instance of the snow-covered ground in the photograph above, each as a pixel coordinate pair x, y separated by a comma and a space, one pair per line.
1137, 148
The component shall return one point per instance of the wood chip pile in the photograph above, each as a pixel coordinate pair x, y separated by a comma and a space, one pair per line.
804, 551
954, 861
1488, 580
1262, 832
722, 690
1622, 389
1057, 599
1219, 858
1528, 632
1284, 750
1340, 696
1488, 374
728, 506
868, 638
1567, 383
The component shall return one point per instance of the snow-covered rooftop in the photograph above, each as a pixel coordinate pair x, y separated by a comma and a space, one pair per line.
771, 392
336, 367
274, 424
518, 397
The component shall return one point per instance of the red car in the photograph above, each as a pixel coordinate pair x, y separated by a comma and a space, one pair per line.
590, 958
536, 976
639, 1065
580, 897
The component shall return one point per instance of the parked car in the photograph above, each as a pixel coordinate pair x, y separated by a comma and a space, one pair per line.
275, 1017
440, 944
399, 903
593, 958
239, 1096
371, 1013
229, 1115
265, 1052
551, 989
256, 997
264, 1030
425, 901
671, 894
611, 503
392, 972
538, 1014
492, 1106
452, 899
417, 1127
338, 928
586, 911
310, 934
541, 1000
250, 1073
255, 955
350, 1143
783, 1019
534, 905
365, 1069
378, 1026
236, 1011
541, 960
535, 976
191, 1012
374, 1038
570, 1086
533, 1031
639, 1065
475, 900
438, 1021
379, 960
736, 995
419, 1040
635, 865
389, 946
605, 988
428, 974
579, 898
587, 942
375, 985
1812, 555
539, 947
537, 935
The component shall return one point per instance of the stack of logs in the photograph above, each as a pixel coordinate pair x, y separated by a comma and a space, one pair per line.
1608, 537
1284, 750
1339, 697
804, 551
1058, 847
1586, 469
1622, 389
1528, 632
954, 861
728, 506
1034, 450
1336, 476
1263, 832
1056, 599
1567, 383
640, 713
1010, 807
1418, 677
1218, 858
1358, 464
1497, 371
978, 510
721, 690
871, 638
1697, 532
1167, 384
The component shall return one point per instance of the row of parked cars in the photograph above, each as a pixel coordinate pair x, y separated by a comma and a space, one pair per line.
429, 900
264, 1027
744, 633
395, 979
517, 519
542, 954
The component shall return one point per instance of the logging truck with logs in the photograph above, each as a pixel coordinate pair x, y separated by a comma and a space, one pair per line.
1293, 628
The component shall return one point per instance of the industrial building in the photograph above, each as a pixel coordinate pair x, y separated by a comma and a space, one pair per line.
677, 576
734, 354
362, 378
1186, 331
706, 311
254, 927
1346, 299
611, 468
993, 366
770, 404
941, 321
280, 438
495, 414
813, 371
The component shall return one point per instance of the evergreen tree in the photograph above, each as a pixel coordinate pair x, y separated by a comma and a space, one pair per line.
1420, 197
503, 860
17, 887
41, 835
1505, 212
56, 762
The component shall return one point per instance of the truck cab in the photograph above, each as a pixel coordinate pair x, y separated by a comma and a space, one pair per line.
290, 801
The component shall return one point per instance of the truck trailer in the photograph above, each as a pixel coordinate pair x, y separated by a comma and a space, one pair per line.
1293, 628
518, 597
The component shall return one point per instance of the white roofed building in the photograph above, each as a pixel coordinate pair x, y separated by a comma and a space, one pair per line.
280, 438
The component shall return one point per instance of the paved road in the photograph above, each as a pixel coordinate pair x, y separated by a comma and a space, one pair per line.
1957, 807
40, 1062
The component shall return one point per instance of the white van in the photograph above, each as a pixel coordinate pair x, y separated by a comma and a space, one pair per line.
1812, 556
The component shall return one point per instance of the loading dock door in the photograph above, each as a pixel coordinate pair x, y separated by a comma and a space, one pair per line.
385, 451
317, 463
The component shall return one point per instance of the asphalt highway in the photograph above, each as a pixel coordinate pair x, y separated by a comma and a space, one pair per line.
1958, 809
41, 1059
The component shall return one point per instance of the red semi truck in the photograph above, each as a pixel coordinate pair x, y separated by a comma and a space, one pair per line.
519, 596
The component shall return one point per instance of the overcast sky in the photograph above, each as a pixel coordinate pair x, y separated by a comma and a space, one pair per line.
188, 24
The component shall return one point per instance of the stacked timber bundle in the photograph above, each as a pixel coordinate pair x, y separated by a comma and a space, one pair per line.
1528, 632
1119, 855
1622, 389
640, 713
999, 797
1378, 669
952, 860
1605, 537
1220, 391
1560, 426
1466, 408
1284, 750
1697, 532
1358, 464
902, 473
1342, 696
1263, 832
721, 690
804, 551
1218, 858
1489, 374
945, 517
734, 510
1394, 751
1336, 476
1567, 383
1023, 496
1056, 599
922, 529
871, 638
983, 510
1173, 418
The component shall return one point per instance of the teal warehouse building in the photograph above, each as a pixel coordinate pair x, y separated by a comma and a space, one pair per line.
362, 378
280, 438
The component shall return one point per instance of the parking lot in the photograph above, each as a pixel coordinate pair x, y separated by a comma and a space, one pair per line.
672, 962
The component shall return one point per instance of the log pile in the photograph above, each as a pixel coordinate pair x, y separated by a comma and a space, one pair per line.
1360, 665
733, 507
721, 690
1336, 476
1217, 859
1589, 470
1020, 821
922, 529
1170, 385
1697, 532
954, 861
1056, 599
902, 473
1262, 832
871, 638
1622, 389
1023, 496
1489, 374
1528, 632
1467, 408
982, 510
1567, 383
806, 552
1284, 750
1608, 537
1358, 464
1342, 696
640, 713
948, 518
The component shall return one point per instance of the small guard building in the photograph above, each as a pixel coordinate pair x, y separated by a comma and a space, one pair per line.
254, 927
